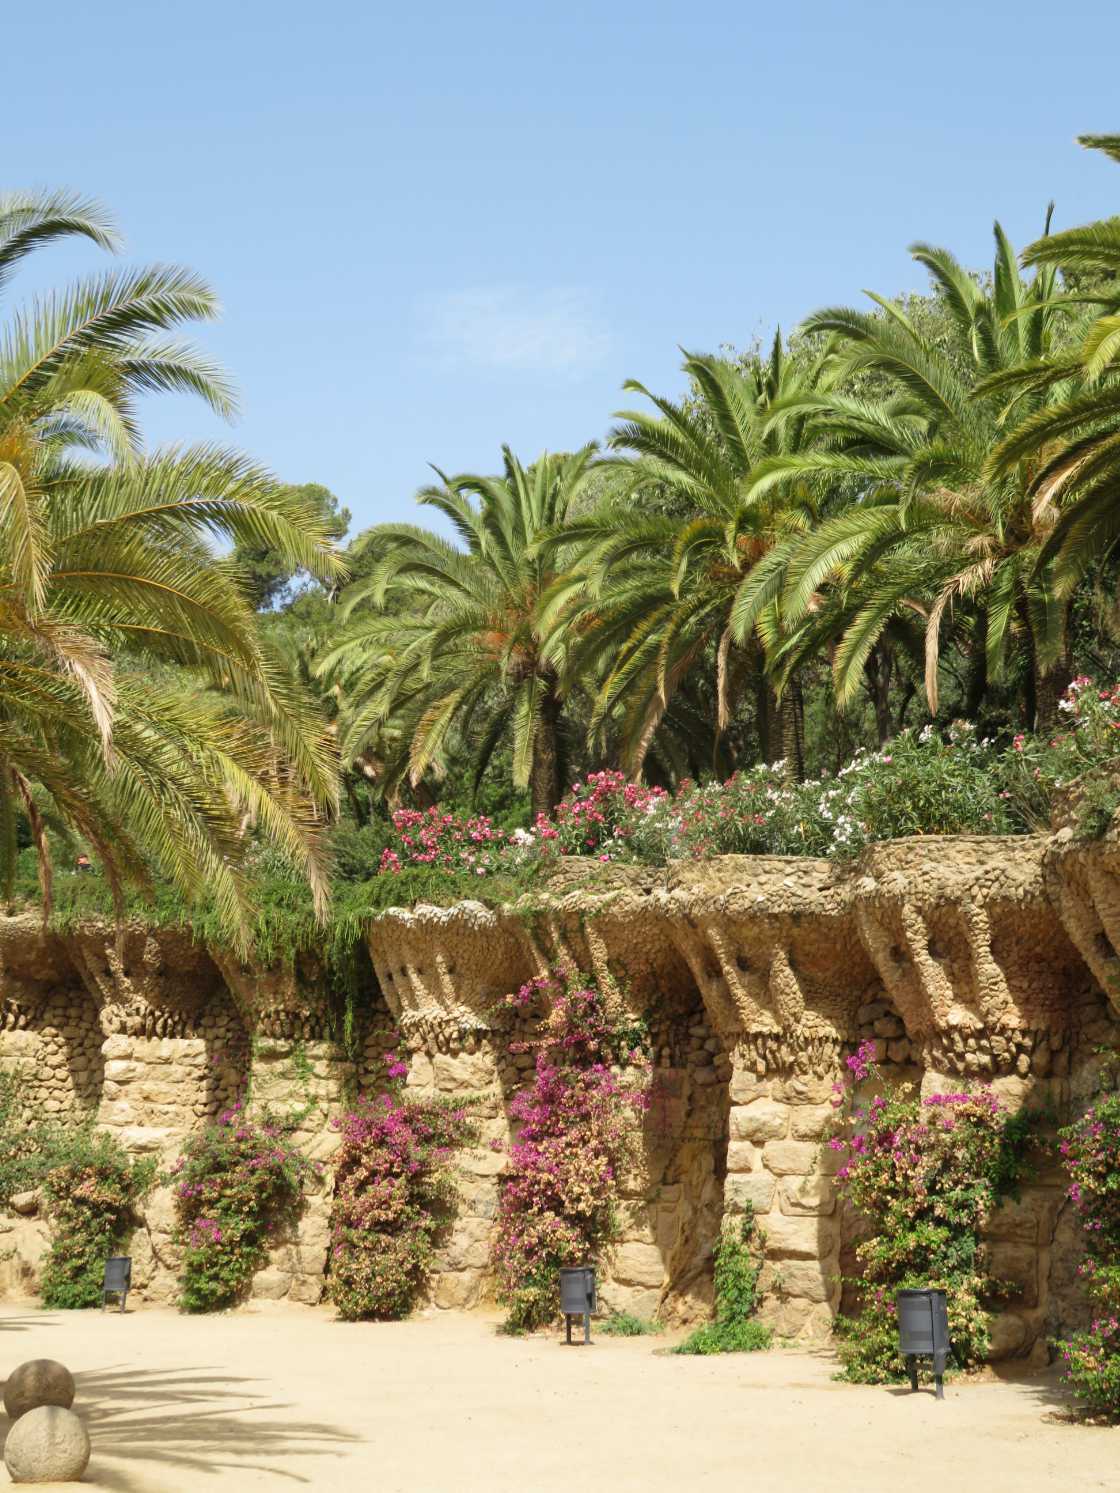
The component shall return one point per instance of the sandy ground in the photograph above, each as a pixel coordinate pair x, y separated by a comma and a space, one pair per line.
278, 1397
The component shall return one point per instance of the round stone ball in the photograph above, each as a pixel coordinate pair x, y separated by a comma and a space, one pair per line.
39, 1381
47, 1445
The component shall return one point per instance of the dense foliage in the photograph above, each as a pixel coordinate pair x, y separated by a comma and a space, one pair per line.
236, 1182
759, 616
913, 502
1091, 1359
577, 1134
88, 1189
735, 1327
393, 1192
924, 1174
140, 709
922, 783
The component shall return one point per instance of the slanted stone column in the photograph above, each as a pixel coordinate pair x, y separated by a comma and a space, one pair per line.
972, 936
778, 1163
779, 964
169, 1057
443, 973
297, 1072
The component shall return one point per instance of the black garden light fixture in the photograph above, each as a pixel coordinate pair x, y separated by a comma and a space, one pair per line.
577, 1297
118, 1279
923, 1331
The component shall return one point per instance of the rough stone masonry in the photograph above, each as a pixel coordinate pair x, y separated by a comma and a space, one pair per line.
967, 960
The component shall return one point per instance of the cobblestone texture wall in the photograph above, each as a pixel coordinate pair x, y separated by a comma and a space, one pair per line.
966, 961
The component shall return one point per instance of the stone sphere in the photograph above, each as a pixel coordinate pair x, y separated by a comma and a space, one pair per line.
47, 1445
40, 1381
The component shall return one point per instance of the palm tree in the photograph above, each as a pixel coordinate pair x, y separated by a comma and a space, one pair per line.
138, 705
1073, 440
660, 565
443, 640
931, 529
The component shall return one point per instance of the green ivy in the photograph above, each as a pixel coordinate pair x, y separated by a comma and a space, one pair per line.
88, 1186
738, 1265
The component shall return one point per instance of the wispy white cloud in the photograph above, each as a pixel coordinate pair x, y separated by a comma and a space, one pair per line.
513, 327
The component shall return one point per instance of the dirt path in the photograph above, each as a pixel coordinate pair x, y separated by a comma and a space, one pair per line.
281, 1397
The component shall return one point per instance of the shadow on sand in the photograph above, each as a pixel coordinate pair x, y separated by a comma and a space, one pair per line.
199, 1421
15, 1323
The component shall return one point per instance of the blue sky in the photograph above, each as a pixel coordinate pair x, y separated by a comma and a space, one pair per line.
438, 227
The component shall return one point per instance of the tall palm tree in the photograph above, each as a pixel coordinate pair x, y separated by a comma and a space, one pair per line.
1073, 440
138, 704
658, 568
931, 528
441, 639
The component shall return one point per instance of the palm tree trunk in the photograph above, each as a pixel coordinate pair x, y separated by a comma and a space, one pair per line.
764, 713
977, 687
1048, 690
1045, 687
544, 775
877, 669
793, 731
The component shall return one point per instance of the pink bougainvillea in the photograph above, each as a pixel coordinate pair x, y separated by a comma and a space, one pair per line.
577, 1133
924, 1174
235, 1181
393, 1190
1091, 1359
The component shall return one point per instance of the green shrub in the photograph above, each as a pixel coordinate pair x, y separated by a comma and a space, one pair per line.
925, 1174
626, 1324
577, 1135
1091, 1359
90, 1188
738, 1265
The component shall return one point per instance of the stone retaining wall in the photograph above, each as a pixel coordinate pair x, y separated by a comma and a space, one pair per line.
970, 960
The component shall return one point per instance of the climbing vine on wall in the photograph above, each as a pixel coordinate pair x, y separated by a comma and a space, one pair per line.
578, 1133
237, 1182
1091, 1359
88, 1188
924, 1173
394, 1191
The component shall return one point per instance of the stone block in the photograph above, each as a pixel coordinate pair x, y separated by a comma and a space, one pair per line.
1016, 1264
148, 1138
121, 1070
462, 1072
1027, 1221
805, 1280
741, 1156
745, 1086
757, 1189
641, 1301
762, 1120
307, 1289
481, 1163
800, 1237
807, 1196
457, 1290
810, 1121
790, 1157
800, 1089
638, 1265
1009, 1336
271, 1285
